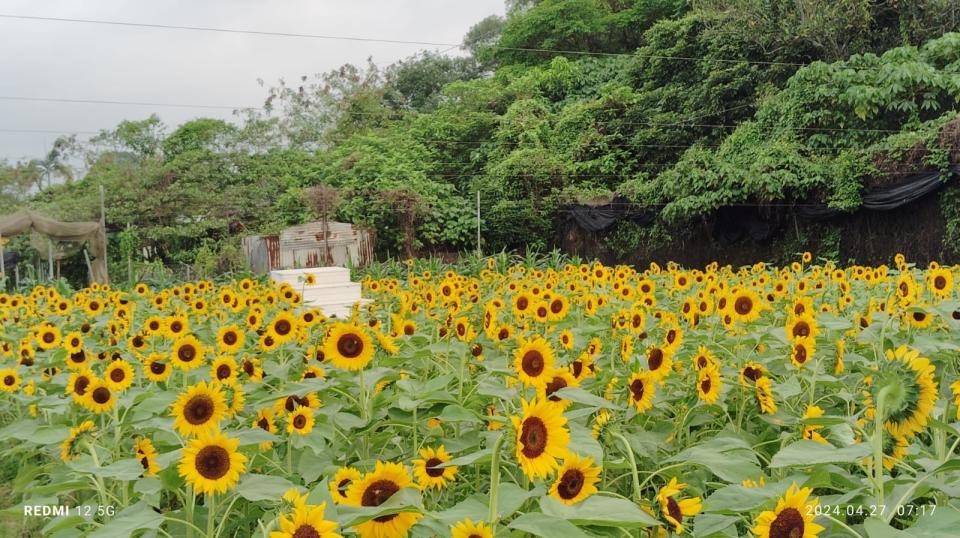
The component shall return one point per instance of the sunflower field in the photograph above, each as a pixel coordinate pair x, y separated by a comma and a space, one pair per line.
571, 400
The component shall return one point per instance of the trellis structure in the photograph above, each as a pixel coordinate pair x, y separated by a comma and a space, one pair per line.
77, 233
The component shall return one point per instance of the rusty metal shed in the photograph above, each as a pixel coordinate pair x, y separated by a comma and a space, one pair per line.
305, 246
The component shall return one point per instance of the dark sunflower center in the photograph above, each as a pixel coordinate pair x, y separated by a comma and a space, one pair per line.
743, 305
117, 375
10, 380
570, 484
80, 385
705, 386
306, 531
751, 373
939, 282
801, 329
49, 337
532, 363
671, 336
248, 367
282, 327
636, 389
230, 338
431, 467
154, 326
264, 424
223, 371
701, 362
350, 346
788, 524
145, 462
919, 316
556, 306
655, 360
377, 494
343, 485
176, 326
554, 385
577, 368
800, 353
101, 395
212, 462
522, 303
199, 409
408, 330
674, 509
299, 422
187, 353
542, 311
74, 342
533, 437
476, 350
158, 367
503, 334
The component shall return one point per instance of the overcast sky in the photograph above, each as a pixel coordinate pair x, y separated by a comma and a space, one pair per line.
91, 61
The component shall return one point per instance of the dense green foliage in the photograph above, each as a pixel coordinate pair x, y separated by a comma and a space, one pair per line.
683, 106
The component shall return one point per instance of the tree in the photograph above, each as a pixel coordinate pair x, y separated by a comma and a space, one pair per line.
324, 200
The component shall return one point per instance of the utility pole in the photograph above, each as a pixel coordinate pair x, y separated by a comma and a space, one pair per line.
103, 232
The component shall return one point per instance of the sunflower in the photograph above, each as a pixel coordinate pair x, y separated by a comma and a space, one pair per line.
230, 339
118, 375
427, 471
200, 409
48, 337
659, 362
469, 529
810, 430
69, 445
744, 305
751, 372
802, 350
673, 510
224, 370
792, 518
340, 483
708, 384
566, 339
9, 380
914, 392
642, 391
703, 359
99, 398
940, 282
533, 361
348, 346
307, 521
804, 326
187, 353
77, 384
764, 395
918, 319
576, 480
300, 421
156, 368
177, 326
73, 342
542, 437
560, 378
284, 327
211, 463
147, 455
376, 488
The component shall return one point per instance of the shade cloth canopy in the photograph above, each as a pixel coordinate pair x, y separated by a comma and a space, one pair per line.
26, 221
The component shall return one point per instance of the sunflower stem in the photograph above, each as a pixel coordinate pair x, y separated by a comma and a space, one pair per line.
189, 500
492, 515
635, 476
211, 514
878, 419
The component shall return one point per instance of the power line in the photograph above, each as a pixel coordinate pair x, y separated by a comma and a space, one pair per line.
228, 30
114, 102
408, 42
